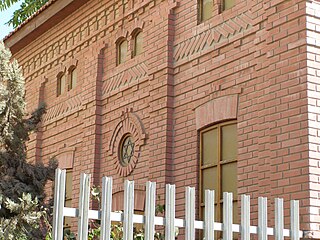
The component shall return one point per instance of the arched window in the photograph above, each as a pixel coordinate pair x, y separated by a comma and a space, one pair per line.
205, 9
72, 78
218, 165
61, 83
138, 43
122, 51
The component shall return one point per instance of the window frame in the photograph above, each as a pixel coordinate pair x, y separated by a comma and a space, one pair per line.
200, 11
135, 35
60, 88
218, 194
119, 43
71, 84
68, 199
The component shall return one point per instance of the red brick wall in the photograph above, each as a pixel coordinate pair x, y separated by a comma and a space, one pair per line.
256, 62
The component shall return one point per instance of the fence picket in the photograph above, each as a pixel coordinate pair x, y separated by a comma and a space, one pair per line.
128, 210
59, 196
209, 215
170, 212
279, 219
262, 218
227, 216
106, 203
150, 210
84, 199
294, 217
245, 217
190, 213
170, 222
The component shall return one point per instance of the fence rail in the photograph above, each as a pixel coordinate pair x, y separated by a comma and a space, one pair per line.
128, 218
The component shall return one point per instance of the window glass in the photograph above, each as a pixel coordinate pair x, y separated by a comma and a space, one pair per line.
122, 52
227, 4
138, 44
210, 147
209, 181
229, 176
68, 197
229, 142
206, 8
73, 78
61, 84
218, 164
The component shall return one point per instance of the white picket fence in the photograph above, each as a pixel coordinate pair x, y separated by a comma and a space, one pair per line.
128, 218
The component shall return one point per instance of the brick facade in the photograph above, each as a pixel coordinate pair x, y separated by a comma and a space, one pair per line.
257, 63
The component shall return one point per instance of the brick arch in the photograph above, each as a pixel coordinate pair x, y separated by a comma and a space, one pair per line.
216, 110
65, 157
139, 198
129, 124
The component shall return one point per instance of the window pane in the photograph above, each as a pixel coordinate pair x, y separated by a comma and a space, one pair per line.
62, 83
229, 142
73, 78
138, 48
122, 51
228, 4
68, 186
210, 181
236, 218
210, 147
206, 9
229, 178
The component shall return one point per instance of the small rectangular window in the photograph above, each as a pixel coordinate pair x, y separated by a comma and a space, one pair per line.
138, 44
122, 51
68, 197
61, 82
205, 9
73, 79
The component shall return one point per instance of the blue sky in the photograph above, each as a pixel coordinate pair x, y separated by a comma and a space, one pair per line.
4, 17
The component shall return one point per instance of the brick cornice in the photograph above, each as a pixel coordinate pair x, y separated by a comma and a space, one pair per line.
40, 23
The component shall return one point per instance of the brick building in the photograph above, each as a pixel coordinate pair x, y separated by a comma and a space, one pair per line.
220, 94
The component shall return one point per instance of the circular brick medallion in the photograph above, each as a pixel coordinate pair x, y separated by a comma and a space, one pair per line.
126, 141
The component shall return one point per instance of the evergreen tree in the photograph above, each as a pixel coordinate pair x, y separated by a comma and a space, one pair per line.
21, 183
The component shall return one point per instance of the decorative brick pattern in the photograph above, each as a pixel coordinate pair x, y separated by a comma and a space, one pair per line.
257, 62
209, 38
63, 109
125, 77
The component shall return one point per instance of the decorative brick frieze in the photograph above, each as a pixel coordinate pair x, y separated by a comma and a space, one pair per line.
125, 77
63, 109
209, 38
94, 29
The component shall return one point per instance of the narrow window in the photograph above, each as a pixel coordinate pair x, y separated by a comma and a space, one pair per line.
68, 198
73, 78
218, 165
205, 9
122, 51
138, 44
61, 82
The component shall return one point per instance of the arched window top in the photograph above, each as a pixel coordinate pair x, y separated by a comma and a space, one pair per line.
138, 42
205, 10
61, 82
122, 48
73, 75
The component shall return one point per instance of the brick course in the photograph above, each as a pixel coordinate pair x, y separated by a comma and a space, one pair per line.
257, 62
